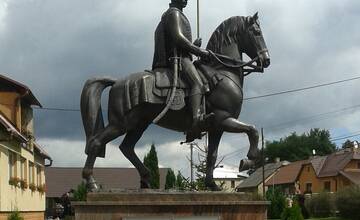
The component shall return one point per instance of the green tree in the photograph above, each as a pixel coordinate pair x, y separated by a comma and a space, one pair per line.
181, 182
299, 147
151, 162
81, 192
15, 215
347, 144
170, 179
292, 213
278, 203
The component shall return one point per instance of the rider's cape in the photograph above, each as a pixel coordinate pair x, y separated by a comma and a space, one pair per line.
164, 43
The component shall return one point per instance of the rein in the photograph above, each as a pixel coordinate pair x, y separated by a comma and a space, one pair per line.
240, 63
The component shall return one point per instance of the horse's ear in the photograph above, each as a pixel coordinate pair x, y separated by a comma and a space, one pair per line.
256, 16
250, 20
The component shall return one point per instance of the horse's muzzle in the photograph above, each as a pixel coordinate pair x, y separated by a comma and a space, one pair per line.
264, 59
246, 164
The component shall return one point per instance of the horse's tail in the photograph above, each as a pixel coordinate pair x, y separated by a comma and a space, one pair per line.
90, 106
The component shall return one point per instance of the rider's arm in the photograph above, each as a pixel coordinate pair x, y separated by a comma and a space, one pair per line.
174, 27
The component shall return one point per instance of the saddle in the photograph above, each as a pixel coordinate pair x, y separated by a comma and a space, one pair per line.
164, 79
154, 86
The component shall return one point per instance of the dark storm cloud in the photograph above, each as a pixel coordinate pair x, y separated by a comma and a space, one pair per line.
54, 46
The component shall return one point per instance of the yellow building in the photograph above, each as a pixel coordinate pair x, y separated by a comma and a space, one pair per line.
22, 160
331, 173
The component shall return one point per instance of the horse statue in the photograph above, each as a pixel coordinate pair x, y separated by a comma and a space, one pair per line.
135, 101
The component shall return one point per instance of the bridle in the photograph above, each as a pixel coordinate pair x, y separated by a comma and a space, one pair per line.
239, 64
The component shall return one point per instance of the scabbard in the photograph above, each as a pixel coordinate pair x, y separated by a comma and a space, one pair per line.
173, 89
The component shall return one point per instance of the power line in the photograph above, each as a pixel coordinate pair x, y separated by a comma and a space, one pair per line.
312, 117
345, 137
289, 123
302, 89
341, 136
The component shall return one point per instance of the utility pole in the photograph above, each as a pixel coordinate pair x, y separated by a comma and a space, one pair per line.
191, 163
191, 160
198, 19
263, 161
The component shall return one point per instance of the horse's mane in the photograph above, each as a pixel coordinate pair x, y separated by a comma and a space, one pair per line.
226, 33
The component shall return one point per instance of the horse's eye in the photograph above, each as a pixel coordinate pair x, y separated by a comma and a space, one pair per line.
257, 31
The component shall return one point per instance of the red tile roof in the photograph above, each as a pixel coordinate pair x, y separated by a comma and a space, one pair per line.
286, 174
318, 162
353, 176
336, 162
324, 166
60, 180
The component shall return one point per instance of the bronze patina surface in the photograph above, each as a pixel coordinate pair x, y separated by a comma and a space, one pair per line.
137, 100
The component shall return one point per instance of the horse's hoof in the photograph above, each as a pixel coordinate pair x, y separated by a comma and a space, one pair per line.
246, 165
92, 187
212, 186
144, 184
254, 154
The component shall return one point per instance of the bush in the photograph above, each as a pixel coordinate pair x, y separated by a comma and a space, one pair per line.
292, 213
15, 216
348, 202
300, 199
277, 200
321, 205
80, 193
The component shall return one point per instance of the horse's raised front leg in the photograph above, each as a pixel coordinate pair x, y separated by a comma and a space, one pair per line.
95, 143
127, 148
214, 139
235, 126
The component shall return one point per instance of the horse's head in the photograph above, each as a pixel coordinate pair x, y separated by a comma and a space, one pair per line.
254, 42
238, 35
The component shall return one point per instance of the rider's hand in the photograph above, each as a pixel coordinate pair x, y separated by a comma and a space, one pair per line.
205, 54
198, 42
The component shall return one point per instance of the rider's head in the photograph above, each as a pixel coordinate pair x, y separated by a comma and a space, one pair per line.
178, 3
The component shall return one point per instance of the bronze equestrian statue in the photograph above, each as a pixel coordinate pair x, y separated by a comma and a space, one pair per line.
135, 101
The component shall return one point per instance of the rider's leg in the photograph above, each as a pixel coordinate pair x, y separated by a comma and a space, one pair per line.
196, 88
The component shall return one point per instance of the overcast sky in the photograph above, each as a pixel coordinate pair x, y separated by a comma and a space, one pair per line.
54, 46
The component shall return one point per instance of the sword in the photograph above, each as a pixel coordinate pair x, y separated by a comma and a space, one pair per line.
173, 89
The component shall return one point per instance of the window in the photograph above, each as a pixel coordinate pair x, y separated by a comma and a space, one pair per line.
308, 188
23, 173
12, 164
327, 186
38, 175
358, 165
232, 184
31, 173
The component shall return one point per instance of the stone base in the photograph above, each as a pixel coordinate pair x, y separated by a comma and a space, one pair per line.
134, 205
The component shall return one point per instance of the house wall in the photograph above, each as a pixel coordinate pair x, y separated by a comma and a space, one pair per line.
352, 165
13, 197
27, 120
226, 183
308, 175
9, 107
25, 215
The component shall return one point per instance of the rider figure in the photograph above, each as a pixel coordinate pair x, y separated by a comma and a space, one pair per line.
174, 32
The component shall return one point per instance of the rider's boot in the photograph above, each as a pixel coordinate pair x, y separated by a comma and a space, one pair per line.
199, 119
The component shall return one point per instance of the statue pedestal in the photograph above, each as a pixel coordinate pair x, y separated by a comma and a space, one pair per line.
163, 205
